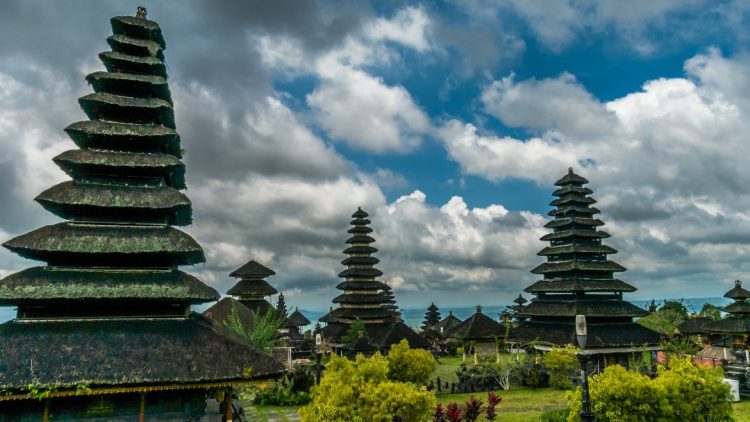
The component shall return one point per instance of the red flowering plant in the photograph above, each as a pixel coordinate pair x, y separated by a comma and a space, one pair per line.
472, 409
453, 413
439, 415
492, 401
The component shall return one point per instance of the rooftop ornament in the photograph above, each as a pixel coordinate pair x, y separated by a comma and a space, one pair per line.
141, 13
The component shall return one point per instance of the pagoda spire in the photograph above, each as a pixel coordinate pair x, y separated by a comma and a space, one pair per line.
252, 288
431, 317
110, 303
361, 293
578, 277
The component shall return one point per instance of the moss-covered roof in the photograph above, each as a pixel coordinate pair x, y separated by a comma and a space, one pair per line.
360, 272
574, 221
359, 230
76, 241
44, 284
126, 352
355, 299
740, 307
115, 61
731, 325
120, 136
119, 108
589, 308
79, 201
135, 46
360, 239
566, 266
585, 234
571, 179
572, 189
80, 163
359, 214
571, 248
358, 249
361, 285
362, 313
360, 260
229, 312
256, 287
621, 334
130, 84
138, 28
252, 269
385, 336
737, 292
573, 199
579, 285
695, 325
448, 323
573, 210
478, 327
296, 319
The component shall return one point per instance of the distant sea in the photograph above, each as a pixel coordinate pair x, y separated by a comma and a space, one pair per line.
414, 317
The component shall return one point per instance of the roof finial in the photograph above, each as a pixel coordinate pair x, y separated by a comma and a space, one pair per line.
479, 309
141, 12
570, 170
737, 283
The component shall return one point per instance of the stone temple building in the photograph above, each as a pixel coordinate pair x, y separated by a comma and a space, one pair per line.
363, 297
578, 279
104, 329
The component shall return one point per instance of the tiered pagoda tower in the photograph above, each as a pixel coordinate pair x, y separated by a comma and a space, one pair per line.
431, 317
362, 295
737, 324
104, 329
252, 289
578, 280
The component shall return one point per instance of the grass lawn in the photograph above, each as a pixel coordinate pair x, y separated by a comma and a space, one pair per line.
521, 404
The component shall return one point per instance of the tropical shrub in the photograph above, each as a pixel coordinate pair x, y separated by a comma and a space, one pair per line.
561, 363
410, 365
360, 391
684, 392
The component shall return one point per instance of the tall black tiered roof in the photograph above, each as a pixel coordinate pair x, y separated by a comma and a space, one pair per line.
364, 297
578, 277
362, 294
252, 288
111, 303
431, 317
738, 321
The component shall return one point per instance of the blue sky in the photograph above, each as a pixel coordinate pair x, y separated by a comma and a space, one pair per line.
448, 121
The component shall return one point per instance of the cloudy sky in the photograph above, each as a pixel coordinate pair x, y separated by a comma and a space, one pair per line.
448, 121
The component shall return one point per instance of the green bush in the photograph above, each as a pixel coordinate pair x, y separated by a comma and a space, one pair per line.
559, 415
276, 396
561, 363
684, 392
410, 365
360, 391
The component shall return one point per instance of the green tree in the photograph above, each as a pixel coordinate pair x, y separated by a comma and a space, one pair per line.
360, 391
265, 332
561, 362
356, 329
410, 365
684, 392
666, 319
710, 311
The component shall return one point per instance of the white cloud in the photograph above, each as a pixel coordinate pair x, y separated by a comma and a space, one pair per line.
350, 103
367, 114
667, 162
409, 27
497, 158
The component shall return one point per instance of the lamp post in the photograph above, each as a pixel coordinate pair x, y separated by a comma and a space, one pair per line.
583, 357
318, 353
